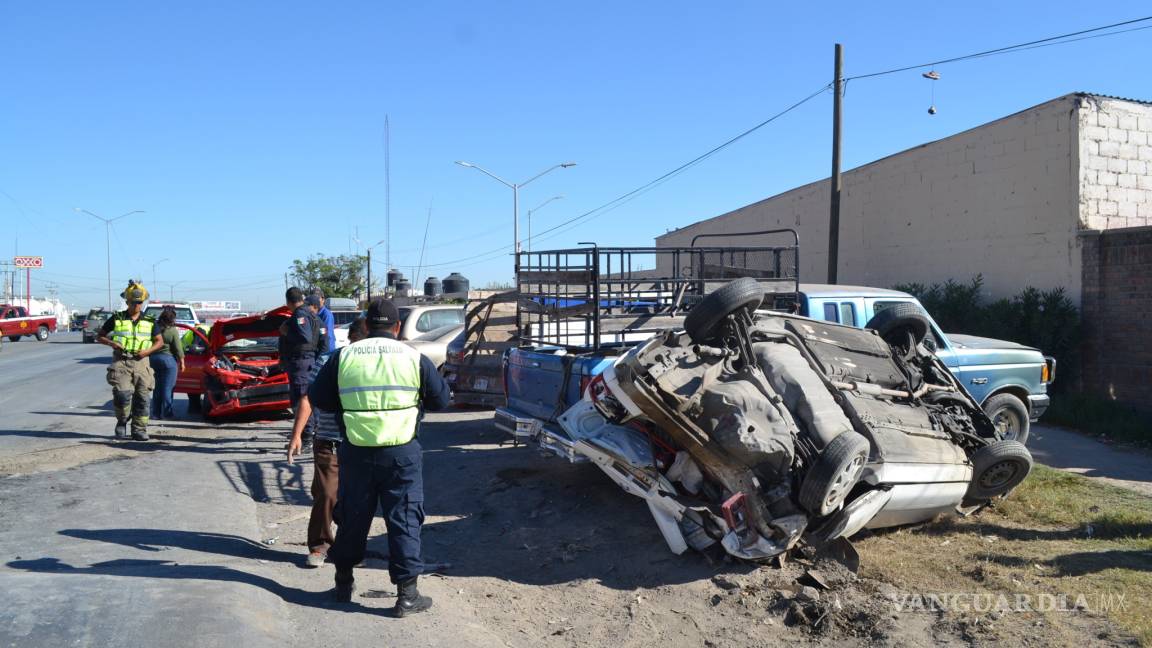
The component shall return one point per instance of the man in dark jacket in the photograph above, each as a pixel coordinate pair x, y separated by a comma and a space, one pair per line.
301, 337
380, 388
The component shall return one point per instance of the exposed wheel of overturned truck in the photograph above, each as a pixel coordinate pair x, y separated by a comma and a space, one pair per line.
703, 321
895, 323
998, 468
834, 474
1009, 415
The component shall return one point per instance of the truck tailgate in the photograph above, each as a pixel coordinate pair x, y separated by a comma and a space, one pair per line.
542, 384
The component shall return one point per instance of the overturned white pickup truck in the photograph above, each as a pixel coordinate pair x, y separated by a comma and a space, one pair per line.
760, 431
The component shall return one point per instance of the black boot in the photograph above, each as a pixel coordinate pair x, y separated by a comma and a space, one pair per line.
345, 585
121, 432
409, 600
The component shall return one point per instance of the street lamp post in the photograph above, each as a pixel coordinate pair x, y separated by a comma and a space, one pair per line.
154, 269
108, 242
515, 187
536, 209
368, 251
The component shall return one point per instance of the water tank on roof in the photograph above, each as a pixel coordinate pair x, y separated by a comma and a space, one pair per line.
455, 283
431, 287
403, 287
394, 275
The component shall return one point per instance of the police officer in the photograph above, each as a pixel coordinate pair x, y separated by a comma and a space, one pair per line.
380, 388
300, 339
129, 333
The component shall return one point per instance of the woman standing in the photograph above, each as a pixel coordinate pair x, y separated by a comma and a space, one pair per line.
167, 361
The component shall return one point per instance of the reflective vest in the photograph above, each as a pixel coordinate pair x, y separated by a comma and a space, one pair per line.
379, 382
133, 336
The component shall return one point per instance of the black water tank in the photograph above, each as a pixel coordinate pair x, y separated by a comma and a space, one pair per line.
403, 287
394, 275
431, 287
455, 283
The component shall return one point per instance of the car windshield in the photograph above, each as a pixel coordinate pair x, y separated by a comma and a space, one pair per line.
250, 345
342, 318
181, 313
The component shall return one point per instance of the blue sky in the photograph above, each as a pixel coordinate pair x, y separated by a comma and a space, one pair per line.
252, 133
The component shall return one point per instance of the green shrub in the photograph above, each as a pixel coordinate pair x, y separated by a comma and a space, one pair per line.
1101, 417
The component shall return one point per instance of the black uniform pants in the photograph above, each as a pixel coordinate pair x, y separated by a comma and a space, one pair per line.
299, 370
393, 478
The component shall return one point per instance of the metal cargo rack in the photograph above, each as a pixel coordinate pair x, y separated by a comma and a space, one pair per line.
592, 297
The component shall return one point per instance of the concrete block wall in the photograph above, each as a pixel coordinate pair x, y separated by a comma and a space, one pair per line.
1117, 301
1000, 200
1115, 154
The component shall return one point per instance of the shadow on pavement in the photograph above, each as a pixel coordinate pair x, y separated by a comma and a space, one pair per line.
161, 539
273, 480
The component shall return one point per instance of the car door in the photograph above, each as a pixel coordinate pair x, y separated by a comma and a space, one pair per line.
191, 380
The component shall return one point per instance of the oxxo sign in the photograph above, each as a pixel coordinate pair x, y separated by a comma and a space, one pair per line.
28, 262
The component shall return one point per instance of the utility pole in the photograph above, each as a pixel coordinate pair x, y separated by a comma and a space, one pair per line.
834, 215
387, 197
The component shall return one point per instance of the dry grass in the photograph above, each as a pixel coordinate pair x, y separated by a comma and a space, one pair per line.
1059, 534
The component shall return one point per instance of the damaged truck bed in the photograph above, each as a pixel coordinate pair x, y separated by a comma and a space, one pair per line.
754, 432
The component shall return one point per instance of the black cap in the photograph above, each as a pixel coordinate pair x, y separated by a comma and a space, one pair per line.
317, 292
382, 313
313, 300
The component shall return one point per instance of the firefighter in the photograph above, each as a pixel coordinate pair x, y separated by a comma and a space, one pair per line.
129, 333
380, 388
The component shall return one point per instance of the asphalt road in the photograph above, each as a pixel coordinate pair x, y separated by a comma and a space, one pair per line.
195, 539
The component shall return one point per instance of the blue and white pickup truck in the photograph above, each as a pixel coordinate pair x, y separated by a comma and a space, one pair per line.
1009, 380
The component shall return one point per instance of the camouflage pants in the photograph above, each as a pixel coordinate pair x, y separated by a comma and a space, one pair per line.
132, 381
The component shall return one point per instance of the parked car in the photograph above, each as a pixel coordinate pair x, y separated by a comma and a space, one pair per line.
185, 314
755, 432
415, 320
234, 368
434, 343
93, 323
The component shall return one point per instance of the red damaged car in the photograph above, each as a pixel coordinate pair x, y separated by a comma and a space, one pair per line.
235, 368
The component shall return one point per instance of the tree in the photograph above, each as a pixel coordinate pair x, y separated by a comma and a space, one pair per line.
337, 276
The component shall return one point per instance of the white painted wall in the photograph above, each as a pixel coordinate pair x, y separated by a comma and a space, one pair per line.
1002, 199
1115, 150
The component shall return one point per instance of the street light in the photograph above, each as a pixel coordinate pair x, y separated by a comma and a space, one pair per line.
108, 242
369, 252
154, 269
515, 187
536, 209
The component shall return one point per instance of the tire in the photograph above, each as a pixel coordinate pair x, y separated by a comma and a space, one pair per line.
194, 402
895, 322
1010, 416
834, 474
86, 339
702, 323
42, 333
998, 468
14, 338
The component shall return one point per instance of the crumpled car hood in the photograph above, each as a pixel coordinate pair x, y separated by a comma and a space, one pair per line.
253, 326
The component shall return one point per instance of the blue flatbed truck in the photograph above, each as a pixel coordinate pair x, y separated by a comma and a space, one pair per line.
565, 345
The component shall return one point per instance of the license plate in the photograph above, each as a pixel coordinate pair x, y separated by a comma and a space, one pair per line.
480, 384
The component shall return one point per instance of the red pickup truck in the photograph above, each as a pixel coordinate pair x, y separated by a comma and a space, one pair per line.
15, 323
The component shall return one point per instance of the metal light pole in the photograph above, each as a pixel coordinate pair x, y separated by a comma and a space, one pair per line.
154, 269
370, 248
536, 209
515, 187
108, 241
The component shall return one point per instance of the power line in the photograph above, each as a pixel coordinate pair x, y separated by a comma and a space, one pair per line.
1009, 48
644, 188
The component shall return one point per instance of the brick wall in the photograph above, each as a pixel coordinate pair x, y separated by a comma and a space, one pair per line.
1115, 163
1117, 306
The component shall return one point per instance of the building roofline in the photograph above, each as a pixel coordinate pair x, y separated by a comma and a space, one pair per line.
1064, 97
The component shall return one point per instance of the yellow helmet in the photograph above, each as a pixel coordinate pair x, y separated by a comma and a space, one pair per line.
135, 292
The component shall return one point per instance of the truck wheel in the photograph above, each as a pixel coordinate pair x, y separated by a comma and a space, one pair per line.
998, 468
42, 333
1010, 417
896, 322
702, 323
834, 474
14, 338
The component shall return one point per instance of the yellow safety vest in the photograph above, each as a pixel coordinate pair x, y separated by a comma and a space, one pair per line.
133, 336
379, 382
